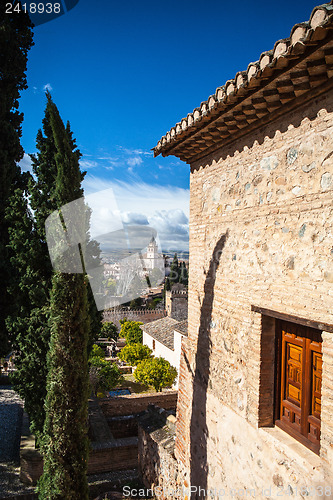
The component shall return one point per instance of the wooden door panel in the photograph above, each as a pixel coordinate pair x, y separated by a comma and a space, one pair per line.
300, 382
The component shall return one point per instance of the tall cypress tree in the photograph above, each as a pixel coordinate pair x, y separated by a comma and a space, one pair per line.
27, 325
31, 280
31, 284
15, 42
65, 431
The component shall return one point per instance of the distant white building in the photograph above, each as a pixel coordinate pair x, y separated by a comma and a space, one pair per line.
152, 258
164, 337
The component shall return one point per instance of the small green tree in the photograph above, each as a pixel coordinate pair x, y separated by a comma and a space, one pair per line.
111, 286
97, 351
136, 303
174, 271
109, 330
134, 353
154, 303
183, 274
108, 374
167, 285
156, 372
131, 331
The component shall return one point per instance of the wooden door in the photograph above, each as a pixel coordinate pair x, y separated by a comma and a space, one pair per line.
299, 373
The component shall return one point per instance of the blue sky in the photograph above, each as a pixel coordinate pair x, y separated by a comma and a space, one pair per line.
123, 73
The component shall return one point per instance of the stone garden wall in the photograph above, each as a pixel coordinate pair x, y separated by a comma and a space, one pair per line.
136, 403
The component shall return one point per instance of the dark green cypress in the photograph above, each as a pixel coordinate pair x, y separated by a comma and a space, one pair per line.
65, 432
174, 271
30, 288
183, 278
27, 325
31, 282
15, 42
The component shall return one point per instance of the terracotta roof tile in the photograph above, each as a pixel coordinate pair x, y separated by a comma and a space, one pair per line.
192, 137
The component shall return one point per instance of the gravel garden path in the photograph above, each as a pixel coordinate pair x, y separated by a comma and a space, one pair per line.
11, 411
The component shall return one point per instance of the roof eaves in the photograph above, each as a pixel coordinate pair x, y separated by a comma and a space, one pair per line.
256, 76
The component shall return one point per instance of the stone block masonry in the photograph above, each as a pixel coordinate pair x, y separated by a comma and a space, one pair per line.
270, 195
158, 468
107, 452
254, 413
136, 403
142, 315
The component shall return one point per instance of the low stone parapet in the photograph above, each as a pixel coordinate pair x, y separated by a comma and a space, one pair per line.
136, 403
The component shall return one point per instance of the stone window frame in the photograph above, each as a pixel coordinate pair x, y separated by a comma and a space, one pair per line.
267, 396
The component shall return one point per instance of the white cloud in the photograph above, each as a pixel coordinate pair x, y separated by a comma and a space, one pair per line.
134, 162
135, 151
172, 228
26, 164
166, 208
48, 87
86, 164
134, 218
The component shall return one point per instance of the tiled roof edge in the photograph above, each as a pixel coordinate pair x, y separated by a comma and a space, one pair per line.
300, 35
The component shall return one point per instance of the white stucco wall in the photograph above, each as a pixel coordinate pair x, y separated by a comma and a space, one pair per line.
161, 350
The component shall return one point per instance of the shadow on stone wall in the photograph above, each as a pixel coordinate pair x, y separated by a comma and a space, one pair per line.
198, 426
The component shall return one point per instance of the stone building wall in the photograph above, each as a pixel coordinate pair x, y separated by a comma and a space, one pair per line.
142, 315
261, 217
176, 302
160, 472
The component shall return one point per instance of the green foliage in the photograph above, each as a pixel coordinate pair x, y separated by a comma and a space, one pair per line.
178, 274
97, 351
154, 303
183, 276
133, 353
109, 330
108, 373
31, 282
65, 442
15, 42
131, 331
136, 303
174, 271
30, 288
111, 286
156, 372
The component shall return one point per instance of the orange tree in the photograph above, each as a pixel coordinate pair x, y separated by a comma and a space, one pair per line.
131, 331
134, 353
156, 372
